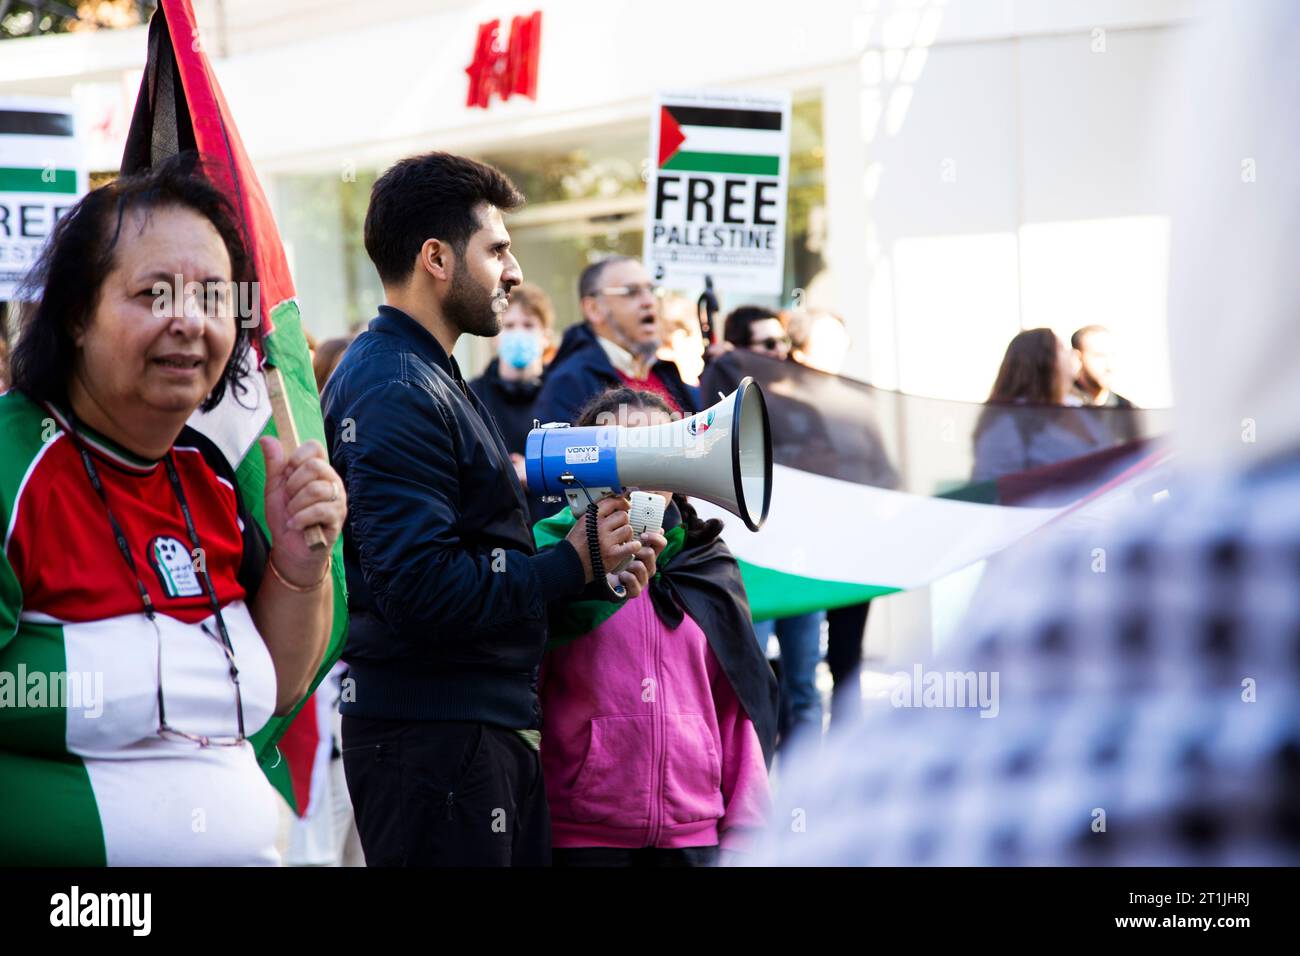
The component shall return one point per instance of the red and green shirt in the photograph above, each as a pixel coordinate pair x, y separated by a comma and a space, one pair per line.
84, 776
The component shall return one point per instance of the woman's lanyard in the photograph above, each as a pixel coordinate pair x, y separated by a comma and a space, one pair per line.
124, 547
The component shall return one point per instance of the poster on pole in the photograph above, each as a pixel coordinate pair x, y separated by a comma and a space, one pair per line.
42, 174
716, 201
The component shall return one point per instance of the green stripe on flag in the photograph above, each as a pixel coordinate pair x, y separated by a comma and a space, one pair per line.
979, 492
286, 348
742, 163
14, 179
775, 594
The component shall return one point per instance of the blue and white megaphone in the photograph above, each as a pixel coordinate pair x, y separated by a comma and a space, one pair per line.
722, 455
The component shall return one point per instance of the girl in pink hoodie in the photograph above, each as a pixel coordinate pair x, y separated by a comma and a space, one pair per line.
660, 712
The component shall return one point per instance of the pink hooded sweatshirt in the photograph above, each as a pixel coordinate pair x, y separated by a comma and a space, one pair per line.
645, 743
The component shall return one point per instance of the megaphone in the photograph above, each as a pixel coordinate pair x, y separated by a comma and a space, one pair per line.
722, 455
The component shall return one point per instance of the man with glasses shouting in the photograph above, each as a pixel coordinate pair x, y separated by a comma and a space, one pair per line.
615, 345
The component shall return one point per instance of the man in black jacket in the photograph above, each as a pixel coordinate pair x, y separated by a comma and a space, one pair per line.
447, 594
614, 346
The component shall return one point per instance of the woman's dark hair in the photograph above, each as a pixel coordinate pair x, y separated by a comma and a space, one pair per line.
1029, 370
1028, 375
62, 289
698, 531
737, 328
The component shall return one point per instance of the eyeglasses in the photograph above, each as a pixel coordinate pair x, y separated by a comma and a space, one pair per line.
771, 343
631, 291
169, 732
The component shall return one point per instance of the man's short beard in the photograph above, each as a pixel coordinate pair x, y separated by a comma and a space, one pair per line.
645, 350
469, 307
641, 350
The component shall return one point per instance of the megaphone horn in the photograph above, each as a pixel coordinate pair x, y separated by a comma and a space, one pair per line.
721, 455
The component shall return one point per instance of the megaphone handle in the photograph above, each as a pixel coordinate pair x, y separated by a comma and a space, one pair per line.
597, 562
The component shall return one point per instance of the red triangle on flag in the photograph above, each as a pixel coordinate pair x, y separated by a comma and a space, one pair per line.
299, 747
670, 135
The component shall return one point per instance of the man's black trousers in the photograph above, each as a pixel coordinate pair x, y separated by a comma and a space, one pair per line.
442, 793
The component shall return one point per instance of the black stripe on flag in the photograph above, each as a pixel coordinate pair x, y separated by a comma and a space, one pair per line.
737, 119
33, 123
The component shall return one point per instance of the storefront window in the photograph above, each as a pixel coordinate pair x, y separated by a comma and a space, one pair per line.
586, 201
320, 219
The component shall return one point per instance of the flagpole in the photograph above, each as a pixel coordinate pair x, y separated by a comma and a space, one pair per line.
287, 430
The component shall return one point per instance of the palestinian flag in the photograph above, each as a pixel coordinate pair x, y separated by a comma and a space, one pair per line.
726, 140
872, 490
180, 108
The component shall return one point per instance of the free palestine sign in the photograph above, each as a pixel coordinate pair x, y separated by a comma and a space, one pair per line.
41, 176
716, 204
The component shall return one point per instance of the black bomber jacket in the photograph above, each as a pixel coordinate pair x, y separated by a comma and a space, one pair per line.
447, 594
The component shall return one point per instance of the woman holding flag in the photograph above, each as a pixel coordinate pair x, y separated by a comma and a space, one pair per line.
147, 628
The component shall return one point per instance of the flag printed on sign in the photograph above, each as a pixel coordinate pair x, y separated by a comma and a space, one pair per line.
697, 139
717, 197
42, 175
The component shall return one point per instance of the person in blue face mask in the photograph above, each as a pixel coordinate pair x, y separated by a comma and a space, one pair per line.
510, 383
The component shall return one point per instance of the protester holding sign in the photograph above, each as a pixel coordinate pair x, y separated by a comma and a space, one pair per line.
155, 627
